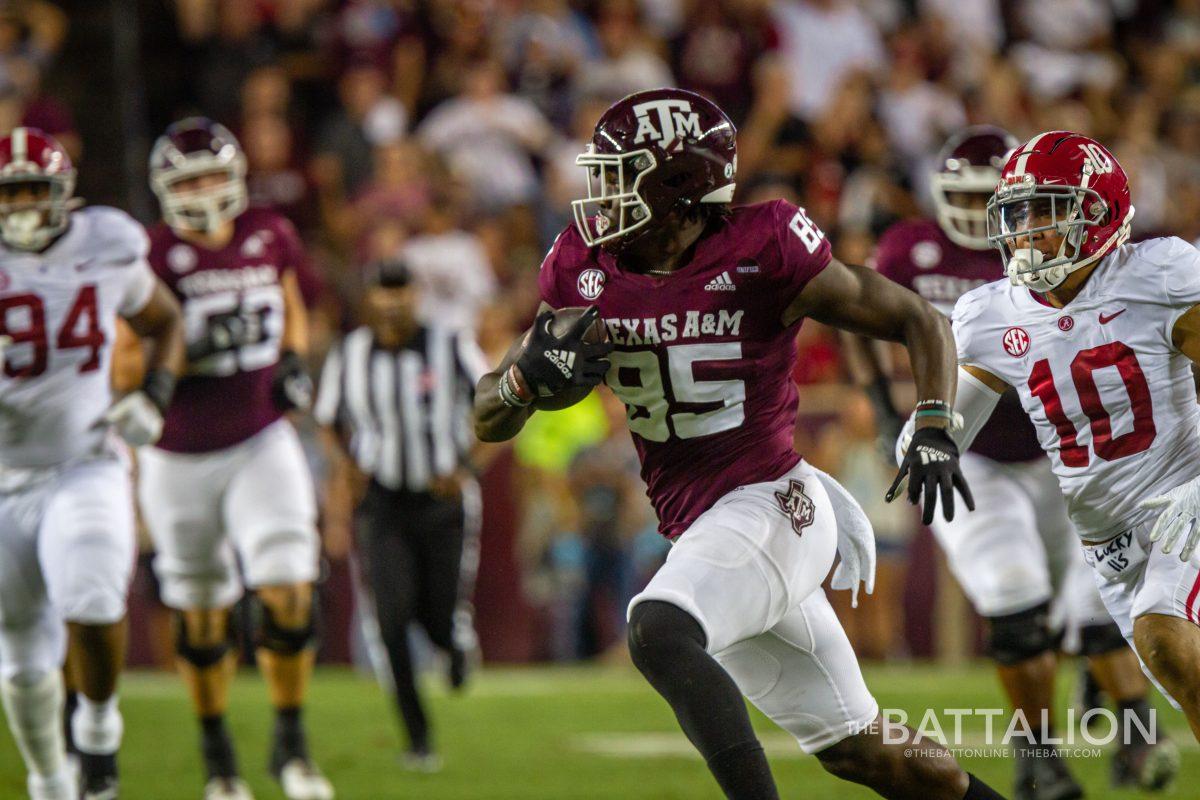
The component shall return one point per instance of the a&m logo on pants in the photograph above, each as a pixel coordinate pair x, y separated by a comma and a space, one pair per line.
798, 506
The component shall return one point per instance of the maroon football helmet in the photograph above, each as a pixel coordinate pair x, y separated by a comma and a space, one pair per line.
30, 157
653, 153
969, 164
1065, 184
190, 148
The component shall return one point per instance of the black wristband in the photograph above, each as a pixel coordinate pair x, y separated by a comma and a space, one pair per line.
290, 362
159, 386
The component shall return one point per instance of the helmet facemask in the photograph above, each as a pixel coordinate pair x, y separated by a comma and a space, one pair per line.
32, 224
964, 225
614, 207
206, 208
1020, 214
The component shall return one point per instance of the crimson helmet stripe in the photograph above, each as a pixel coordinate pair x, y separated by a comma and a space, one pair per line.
1024, 154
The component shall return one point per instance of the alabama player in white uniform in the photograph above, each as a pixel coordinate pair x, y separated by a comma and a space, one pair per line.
1016, 557
1098, 337
66, 507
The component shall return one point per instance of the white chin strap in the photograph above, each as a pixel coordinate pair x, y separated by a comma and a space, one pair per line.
1022, 270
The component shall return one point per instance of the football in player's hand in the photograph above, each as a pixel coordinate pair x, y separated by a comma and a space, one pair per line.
564, 319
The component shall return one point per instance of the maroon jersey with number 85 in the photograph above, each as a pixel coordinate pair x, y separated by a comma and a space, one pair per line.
702, 359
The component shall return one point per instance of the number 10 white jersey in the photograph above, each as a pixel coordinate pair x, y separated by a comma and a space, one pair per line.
1112, 398
58, 309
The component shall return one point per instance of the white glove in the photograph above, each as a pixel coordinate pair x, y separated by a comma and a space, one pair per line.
1179, 520
856, 541
136, 419
905, 439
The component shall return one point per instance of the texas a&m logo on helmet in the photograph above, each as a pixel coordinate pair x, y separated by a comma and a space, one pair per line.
654, 153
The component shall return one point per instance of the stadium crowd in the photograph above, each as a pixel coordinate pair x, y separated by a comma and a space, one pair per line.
443, 134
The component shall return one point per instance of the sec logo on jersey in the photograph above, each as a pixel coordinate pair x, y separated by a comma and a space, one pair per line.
590, 283
1016, 342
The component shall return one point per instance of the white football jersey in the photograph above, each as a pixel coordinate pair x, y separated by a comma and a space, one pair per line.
1112, 398
59, 308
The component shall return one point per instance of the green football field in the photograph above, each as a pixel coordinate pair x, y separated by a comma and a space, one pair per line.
551, 733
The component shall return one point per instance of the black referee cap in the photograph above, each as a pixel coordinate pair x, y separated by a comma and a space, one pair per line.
390, 274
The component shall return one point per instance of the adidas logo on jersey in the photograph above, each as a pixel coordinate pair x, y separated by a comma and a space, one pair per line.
721, 283
563, 359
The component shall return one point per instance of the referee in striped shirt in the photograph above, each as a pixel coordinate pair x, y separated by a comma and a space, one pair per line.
397, 396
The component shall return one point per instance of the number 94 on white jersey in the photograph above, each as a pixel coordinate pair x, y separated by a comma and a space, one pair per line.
1112, 398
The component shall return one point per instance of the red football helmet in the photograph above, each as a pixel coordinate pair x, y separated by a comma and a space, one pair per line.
29, 157
1058, 183
653, 153
969, 164
188, 149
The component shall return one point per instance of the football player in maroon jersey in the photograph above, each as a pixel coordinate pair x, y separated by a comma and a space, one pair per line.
702, 300
1016, 558
228, 475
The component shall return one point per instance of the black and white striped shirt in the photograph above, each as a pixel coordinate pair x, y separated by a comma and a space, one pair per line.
407, 412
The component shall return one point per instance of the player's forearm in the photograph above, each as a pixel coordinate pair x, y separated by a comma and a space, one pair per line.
496, 420
160, 324
931, 350
295, 317
864, 358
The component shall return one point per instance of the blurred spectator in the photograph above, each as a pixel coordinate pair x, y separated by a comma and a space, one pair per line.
564, 181
275, 176
399, 191
543, 47
460, 36
231, 42
31, 33
849, 452
451, 268
487, 137
975, 26
367, 117
628, 62
1063, 49
612, 510
916, 113
822, 41
717, 49
267, 91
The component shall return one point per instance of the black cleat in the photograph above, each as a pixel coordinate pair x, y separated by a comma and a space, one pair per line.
1043, 775
458, 669
1146, 766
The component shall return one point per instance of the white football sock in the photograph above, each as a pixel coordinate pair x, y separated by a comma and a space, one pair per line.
97, 726
33, 703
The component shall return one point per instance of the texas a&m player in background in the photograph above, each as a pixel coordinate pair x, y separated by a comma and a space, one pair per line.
229, 476
66, 504
1017, 557
1098, 337
701, 301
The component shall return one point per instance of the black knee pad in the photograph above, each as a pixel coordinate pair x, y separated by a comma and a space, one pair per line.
285, 641
658, 630
206, 656
1096, 640
1014, 638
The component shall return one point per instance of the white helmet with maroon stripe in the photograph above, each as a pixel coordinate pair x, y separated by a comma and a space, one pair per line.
37, 184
